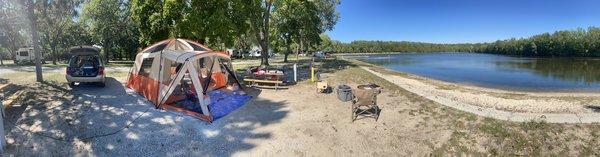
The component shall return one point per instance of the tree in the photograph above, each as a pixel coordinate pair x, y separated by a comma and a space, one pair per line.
303, 22
11, 26
53, 17
326, 43
111, 26
244, 41
259, 21
286, 25
147, 15
569, 43
34, 38
214, 22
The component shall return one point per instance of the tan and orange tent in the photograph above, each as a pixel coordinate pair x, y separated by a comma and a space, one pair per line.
173, 71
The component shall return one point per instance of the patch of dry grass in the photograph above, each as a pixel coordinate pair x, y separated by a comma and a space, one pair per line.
476, 135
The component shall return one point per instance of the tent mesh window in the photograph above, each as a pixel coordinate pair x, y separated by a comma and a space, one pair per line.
227, 71
196, 47
172, 71
146, 66
156, 48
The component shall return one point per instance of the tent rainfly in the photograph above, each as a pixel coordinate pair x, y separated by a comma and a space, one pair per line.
185, 76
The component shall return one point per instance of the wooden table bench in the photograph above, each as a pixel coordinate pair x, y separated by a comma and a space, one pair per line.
254, 82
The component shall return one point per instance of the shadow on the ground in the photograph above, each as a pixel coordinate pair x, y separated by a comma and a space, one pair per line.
595, 108
56, 120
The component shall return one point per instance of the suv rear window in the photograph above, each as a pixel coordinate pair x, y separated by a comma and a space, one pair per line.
80, 61
23, 53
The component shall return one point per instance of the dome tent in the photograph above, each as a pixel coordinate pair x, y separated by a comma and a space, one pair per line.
185, 76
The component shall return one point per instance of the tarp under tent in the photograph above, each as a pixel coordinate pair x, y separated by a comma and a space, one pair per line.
185, 76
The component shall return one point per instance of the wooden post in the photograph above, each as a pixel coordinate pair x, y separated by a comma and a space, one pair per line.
312, 74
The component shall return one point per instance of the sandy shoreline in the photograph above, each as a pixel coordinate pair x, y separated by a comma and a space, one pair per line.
512, 101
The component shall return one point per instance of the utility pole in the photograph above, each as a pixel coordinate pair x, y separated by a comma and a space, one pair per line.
35, 40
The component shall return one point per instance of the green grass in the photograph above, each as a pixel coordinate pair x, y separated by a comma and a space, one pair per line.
8, 62
119, 64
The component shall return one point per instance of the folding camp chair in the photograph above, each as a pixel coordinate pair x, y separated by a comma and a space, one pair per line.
365, 104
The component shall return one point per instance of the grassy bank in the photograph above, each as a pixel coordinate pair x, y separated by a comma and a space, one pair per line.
472, 134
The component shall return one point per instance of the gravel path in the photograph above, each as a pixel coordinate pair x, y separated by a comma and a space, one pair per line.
94, 121
427, 91
116, 121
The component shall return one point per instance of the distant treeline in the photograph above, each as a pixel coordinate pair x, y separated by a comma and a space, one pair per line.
401, 46
579, 43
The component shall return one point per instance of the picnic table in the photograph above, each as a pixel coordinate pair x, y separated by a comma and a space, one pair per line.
274, 77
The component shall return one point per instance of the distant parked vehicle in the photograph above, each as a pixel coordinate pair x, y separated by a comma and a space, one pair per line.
255, 54
85, 65
240, 54
319, 54
26, 55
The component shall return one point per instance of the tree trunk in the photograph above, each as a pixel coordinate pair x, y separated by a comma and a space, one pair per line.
297, 54
264, 34
302, 46
54, 54
264, 54
35, 40
13, 54
287, 49
106, 48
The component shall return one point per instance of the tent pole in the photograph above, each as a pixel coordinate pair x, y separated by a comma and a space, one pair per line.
173, 84
199, 91
160, 76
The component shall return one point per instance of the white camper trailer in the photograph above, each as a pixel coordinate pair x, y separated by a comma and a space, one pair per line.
26, 55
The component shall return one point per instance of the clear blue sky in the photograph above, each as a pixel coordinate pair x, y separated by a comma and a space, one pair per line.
460, 21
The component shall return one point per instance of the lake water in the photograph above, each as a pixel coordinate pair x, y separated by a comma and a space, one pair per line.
497, 71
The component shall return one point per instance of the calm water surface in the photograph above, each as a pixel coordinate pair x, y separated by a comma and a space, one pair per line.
498, 71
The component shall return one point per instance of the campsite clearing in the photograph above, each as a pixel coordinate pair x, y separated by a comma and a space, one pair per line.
114, 121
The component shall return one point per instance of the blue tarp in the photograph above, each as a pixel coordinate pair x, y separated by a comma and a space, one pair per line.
221, 103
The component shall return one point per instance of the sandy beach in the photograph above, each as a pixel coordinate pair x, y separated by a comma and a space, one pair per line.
507, 100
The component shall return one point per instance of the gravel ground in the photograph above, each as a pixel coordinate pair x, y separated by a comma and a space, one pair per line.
94, 121
54, 120
9, 69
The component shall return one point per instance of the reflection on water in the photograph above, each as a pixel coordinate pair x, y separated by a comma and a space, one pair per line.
497, 70
567, 69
